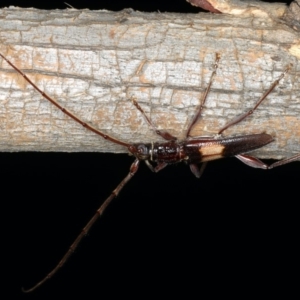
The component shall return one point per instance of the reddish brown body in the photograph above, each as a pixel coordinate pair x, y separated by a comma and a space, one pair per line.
199, 149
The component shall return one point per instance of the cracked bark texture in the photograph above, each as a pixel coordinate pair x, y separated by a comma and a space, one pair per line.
93, 62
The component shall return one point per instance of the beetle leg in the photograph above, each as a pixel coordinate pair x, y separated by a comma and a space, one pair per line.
157, 168
257, 163
164, 134
196, 171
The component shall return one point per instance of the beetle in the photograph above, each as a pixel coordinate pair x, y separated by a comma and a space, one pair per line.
158, 155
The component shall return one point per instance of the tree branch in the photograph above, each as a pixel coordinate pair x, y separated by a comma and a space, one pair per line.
93, 62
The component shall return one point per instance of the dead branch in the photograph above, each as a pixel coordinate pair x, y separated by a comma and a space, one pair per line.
93, 62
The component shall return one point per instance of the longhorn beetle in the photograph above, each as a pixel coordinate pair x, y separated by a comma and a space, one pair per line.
158, 155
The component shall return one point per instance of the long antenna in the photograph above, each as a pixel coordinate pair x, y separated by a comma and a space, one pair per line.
133, 169
64, 110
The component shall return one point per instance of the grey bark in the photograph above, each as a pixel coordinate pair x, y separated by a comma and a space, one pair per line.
93, 62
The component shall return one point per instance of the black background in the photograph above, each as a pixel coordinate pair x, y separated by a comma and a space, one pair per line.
166, 234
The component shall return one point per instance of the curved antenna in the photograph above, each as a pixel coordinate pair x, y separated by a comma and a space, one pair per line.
64, 110
133, 169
